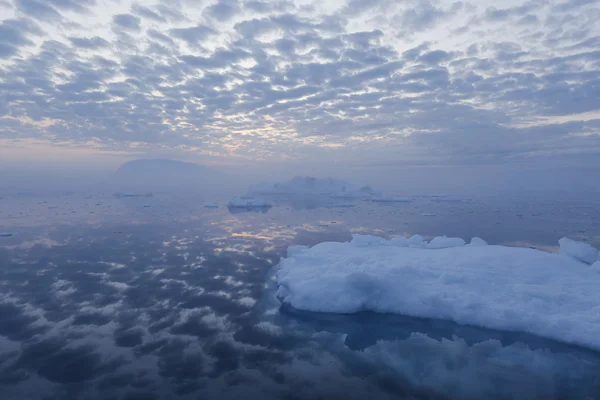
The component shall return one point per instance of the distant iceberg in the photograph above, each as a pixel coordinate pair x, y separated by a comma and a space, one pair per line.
249, 202
305, 185
365, 192
497, 287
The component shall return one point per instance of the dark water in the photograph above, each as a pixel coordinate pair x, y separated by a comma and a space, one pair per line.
105, 297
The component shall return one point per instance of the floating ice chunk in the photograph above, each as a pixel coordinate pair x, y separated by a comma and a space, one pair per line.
413, 241
578, 250
368, 240
6, 234
248, 202
498, 287
384, 199
477, 241
443, 242
211, 205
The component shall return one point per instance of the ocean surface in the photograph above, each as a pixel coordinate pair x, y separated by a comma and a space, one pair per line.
106, 296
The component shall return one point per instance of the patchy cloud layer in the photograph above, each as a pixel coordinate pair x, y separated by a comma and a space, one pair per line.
433, 80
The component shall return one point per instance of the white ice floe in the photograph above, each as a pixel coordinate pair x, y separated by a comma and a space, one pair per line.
248, 202
443, 242
498, 287
578, 250
477, 241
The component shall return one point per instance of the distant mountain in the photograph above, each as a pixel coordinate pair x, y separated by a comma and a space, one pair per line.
162, 172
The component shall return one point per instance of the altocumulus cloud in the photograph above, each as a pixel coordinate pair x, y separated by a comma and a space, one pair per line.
448, 81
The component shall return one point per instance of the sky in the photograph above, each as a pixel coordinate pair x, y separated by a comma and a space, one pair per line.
416, 83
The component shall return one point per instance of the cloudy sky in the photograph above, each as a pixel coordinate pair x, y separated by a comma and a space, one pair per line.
388, 82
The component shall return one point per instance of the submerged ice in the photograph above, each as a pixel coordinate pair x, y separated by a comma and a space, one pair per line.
497, 287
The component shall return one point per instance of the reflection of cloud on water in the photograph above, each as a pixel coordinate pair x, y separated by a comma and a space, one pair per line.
160, 310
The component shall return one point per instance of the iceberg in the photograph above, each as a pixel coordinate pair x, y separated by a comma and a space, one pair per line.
304, 185
578, 250
364, 192
307, 185
248, 202
497, 287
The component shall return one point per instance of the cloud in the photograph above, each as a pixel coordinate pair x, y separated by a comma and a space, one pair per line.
79, 6
15, 34
127, 22
38, 9
193, 35
146, 12
89, 43
223, 10
260, 80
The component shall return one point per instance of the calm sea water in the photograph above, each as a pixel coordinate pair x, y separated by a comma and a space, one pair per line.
105, 297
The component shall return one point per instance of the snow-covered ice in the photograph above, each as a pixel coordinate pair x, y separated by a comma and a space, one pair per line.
578, 250
248, 202
477, 241
443, 242
497, 287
